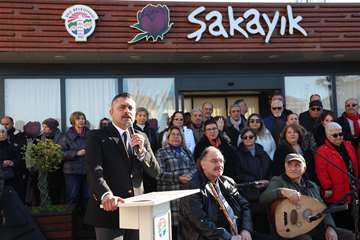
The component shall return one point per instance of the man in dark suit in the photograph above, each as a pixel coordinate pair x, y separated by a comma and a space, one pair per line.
115, 170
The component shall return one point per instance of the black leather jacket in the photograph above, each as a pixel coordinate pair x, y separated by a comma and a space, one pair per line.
200, 216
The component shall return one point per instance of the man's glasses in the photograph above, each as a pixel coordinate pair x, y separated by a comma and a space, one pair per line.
351, 105
255, 120
211, 129
318, 109
250, 137
276, 108
336, 135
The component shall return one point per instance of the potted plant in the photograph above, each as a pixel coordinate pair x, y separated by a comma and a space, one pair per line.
55, 221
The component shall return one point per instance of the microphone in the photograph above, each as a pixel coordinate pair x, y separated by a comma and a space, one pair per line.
328, 210
136, 148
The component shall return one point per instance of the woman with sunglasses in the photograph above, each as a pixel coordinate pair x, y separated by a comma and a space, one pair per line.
253, 170
319, 131
263, 135
335, 154
291, 141
177, 119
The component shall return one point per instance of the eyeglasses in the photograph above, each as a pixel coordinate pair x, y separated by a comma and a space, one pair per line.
351, 105
211, 129
178, 119
255, 120
315, 109
250, 137
276, 108
235, 110
336, 135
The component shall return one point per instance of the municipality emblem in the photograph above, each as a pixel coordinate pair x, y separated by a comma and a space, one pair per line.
153, 21
80, 21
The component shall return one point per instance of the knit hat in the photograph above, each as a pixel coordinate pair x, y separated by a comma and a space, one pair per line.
315, 103
51, 123
32, 129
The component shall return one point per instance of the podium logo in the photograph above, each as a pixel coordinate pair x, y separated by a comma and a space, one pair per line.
153, 21
162, 229
80, 21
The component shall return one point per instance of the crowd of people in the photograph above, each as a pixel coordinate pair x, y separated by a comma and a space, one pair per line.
245, 163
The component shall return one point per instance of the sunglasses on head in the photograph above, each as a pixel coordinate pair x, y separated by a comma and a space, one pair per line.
276, 108
250, 137
255, 120
351, 105
315, 108
336, 135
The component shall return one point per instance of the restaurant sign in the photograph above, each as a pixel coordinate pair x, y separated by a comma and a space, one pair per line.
250, 23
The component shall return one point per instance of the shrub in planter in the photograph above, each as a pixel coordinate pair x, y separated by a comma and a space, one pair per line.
45, 156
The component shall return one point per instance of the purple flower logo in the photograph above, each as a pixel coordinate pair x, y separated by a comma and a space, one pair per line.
153, 21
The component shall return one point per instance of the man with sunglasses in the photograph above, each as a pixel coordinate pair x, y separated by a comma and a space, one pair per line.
276, 121
335, 154
310, 119
349, 121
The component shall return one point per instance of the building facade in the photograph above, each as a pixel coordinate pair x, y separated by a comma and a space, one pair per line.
173, 55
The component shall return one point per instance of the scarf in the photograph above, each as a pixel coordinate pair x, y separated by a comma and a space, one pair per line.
215, 143
236, 124
355, 119
177, 150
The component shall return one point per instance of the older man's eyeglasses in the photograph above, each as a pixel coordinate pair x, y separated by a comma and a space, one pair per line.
336, 135
315, 109
276, 108
351, 105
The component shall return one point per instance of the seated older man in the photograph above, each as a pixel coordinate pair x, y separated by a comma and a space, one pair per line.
218, 211
333, 160
292, 185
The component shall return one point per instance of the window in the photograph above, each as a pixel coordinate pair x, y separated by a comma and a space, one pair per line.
299, 89
32, 100
157, 95
92, 96
346, 87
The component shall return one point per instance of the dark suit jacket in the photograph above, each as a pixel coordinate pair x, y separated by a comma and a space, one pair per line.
110, 168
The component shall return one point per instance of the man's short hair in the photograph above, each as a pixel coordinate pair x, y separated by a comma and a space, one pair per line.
351, 99
195, 110
207, 150
332, 125
121, 95
207, 103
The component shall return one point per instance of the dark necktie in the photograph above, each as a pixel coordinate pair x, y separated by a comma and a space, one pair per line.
126, 144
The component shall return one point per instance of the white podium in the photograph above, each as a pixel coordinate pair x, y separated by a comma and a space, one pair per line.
150, 213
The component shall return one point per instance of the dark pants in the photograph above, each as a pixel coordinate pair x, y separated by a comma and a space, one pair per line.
116, 234
76, 190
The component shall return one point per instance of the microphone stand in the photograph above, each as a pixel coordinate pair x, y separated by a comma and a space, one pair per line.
353, 191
